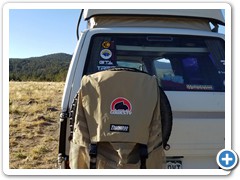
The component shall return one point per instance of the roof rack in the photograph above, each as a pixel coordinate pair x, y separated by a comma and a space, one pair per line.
213, 15
197, 19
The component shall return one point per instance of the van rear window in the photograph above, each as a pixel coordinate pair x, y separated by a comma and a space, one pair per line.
181, 63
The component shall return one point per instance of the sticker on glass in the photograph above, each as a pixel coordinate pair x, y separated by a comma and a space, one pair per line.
102, 62
199, 87
106, 44
102, 68
223, 62
106, 54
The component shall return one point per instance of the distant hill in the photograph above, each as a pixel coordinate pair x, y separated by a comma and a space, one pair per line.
51, 67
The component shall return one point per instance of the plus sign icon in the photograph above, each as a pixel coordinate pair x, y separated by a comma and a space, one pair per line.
227, 159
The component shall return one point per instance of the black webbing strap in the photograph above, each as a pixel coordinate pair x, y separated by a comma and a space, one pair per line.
93, 155
143, 155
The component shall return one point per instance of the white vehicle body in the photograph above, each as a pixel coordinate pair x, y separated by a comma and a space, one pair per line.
198, 116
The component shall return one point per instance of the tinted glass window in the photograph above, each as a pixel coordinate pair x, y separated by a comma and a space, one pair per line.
181, 63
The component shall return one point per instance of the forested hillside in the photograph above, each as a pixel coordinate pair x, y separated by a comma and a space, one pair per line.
52, 67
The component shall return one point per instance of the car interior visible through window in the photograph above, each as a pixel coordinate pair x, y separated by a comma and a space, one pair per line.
181, 63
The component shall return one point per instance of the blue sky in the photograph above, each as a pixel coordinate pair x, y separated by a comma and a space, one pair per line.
38, 32
41, 32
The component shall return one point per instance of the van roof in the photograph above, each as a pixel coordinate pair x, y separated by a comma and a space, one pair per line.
213, 15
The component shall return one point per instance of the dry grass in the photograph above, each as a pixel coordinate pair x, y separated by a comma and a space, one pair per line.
34, 109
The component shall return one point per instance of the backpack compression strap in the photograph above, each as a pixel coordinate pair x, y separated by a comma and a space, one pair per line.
93, 155
143, 155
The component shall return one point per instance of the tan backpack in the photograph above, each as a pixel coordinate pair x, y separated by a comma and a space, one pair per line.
118, 122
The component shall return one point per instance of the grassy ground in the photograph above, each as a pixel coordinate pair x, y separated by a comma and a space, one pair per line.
34, 109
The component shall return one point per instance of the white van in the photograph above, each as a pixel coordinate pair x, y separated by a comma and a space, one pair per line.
183, 48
